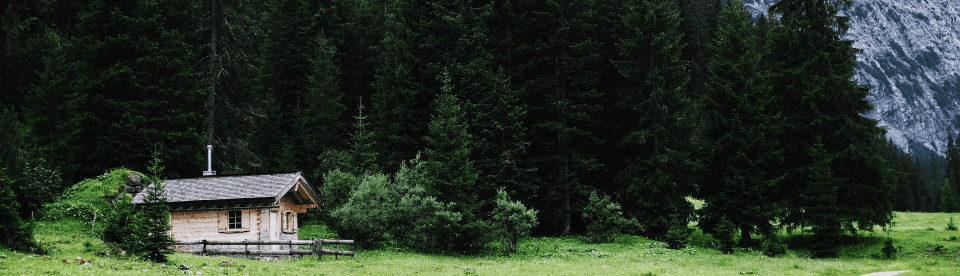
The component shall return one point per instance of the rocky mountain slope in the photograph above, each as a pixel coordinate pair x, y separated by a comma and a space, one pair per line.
911, 61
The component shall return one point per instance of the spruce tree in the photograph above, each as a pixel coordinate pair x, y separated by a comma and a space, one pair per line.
140, 86
948, 201
151, 226
557, 64
739, 180
363, 155
298, 81
655, 119
17, 234
819, 201
451, 173
810, 71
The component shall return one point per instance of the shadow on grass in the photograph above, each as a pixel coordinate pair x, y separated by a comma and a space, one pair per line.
852, 246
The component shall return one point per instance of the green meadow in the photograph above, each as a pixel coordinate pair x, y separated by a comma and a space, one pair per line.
925, 247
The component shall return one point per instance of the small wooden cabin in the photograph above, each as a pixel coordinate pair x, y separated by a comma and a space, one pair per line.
261, 207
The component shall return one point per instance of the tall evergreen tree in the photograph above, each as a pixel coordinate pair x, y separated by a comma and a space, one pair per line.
228, 41
141, 89
553, 58
811, 69
448, 165
298, 77
655, 120
739, 180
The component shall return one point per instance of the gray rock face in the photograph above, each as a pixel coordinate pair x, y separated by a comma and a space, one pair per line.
911, 62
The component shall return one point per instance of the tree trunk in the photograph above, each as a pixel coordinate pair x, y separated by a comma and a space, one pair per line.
211, 98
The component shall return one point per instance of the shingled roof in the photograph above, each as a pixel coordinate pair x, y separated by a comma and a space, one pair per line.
230, 187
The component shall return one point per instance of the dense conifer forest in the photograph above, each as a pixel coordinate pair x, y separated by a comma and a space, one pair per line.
436, 123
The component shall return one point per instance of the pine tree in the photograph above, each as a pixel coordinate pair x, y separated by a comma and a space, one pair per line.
363, 155
948, 201
556, 63
17, 234
655, 109
140, 85
298, 78
953, 161
152, 224
739, 181
451, 173
810, 72
819, 201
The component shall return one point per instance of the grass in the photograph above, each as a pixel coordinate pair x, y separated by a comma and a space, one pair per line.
923, 251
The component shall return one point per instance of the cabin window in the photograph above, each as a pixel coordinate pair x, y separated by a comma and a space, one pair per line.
235, 221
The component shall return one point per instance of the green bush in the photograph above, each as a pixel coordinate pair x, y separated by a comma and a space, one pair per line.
370, 212
772, 246
951, 226
677, 234
726, 234
512, 221
888, 250
15, 233
425, 222
117, 228
605, 221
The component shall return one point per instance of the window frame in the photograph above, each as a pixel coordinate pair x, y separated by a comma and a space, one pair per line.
235, 220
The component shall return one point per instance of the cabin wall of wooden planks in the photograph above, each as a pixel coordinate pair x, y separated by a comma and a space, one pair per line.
262, 224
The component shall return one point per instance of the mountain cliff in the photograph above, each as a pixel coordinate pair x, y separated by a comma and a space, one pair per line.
911, 62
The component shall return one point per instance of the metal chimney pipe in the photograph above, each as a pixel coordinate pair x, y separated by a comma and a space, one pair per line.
209, 158
209, 170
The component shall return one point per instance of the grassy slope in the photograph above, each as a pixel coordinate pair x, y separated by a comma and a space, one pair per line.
539, 256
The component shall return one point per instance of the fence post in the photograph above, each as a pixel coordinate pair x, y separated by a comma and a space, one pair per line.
203, 248
336, 253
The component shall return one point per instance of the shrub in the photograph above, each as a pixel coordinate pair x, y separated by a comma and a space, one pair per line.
951, 226
426, 223
888, 250
15, 233
677, 234
771, 246
369, 212
117, 228
726, 234
512, 221
605, 220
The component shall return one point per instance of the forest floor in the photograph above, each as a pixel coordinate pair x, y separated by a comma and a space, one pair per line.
925, 248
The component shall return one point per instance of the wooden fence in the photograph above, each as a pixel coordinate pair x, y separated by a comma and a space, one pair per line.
316, 247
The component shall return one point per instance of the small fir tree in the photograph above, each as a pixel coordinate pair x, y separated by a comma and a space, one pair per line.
948, 202
605, 220
726, 234
15, 232
152, 223
677, 234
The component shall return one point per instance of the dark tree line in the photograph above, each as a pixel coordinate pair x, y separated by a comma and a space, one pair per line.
642, 103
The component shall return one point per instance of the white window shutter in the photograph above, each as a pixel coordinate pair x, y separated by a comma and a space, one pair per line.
295, 225
246, 220
222, 221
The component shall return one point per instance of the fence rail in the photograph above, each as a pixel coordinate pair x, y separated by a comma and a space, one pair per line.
316, 247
